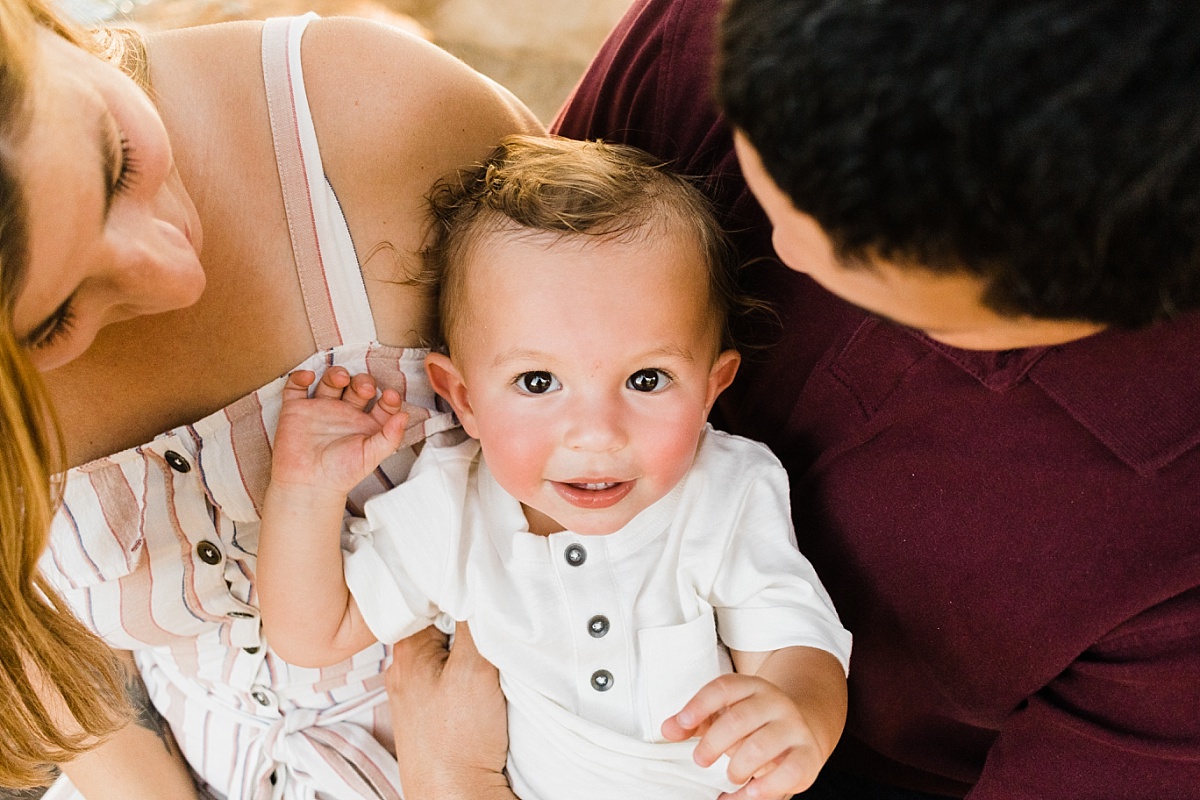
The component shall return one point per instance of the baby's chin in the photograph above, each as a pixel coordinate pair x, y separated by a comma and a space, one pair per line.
544, 525
584, 522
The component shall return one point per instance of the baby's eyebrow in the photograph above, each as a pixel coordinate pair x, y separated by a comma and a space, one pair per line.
519, 354
671, 352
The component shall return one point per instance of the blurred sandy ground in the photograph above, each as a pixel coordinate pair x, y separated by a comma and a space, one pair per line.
537, 48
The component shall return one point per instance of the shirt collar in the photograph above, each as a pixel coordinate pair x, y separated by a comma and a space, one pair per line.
998, 370
1137, 392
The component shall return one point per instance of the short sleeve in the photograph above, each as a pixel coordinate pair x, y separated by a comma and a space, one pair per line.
396, 559
766, 594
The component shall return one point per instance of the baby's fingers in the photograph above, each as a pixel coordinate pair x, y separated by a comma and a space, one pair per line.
704, 709
384, 442
332, 383
387, 406
779, 755
296, 386
391, 420
360, 391
782, 778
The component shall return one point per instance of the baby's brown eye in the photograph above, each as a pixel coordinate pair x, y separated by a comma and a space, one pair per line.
648, 380
537, 382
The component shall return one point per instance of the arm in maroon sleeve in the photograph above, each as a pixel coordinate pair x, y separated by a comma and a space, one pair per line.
1123, 721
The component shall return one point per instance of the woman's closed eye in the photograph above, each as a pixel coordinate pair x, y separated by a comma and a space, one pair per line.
54, 328
128, 169
537, 382
122, 164
648, 381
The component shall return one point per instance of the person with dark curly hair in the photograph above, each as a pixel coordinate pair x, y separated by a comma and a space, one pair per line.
982, 238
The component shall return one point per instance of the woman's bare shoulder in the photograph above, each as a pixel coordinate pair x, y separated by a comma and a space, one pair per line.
220, 60
373, 89
378, 89
394, 113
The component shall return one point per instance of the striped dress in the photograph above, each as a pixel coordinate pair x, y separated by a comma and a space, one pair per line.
154, 547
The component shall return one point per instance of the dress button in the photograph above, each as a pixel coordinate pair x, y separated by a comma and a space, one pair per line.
208, 552
251, 650
602, 680
261, 696
598, 626
238, 614
177, 462
575, 555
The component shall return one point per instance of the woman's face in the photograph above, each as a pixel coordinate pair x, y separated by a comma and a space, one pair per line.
112, 232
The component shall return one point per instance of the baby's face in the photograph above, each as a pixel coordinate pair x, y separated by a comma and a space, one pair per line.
586, 367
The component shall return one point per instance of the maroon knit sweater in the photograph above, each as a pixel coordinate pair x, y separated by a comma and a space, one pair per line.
1012, 537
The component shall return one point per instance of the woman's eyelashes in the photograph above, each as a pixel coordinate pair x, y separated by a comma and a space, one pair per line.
57, 327
645, 381
126, 168
121, 159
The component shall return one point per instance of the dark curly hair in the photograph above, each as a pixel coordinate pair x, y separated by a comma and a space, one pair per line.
1051, 147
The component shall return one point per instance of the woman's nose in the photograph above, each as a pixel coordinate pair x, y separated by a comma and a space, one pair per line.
154, 268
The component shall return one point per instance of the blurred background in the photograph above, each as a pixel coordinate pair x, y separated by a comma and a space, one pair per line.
537, 48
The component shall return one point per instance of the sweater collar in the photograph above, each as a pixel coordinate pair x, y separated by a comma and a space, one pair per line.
1137, 392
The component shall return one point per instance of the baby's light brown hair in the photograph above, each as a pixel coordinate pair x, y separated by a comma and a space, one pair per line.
545, 184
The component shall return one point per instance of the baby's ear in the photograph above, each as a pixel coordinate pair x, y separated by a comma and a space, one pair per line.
722, 373
448, 382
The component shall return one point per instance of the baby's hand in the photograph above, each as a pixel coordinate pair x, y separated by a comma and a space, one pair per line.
329, 441
761, 730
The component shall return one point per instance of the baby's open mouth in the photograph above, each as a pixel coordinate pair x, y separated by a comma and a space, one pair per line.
593, 494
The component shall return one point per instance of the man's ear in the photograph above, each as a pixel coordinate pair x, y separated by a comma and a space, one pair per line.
721, 375
448, 382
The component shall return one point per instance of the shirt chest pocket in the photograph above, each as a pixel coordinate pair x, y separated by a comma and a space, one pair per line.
141, 526
98, 534
676, 661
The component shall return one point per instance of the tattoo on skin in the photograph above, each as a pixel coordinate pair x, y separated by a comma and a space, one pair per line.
147, 716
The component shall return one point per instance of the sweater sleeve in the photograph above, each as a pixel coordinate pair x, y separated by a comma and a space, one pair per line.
1121, 721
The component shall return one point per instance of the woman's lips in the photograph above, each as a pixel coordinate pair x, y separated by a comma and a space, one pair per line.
593, 493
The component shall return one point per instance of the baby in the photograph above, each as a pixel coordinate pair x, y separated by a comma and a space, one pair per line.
611, 552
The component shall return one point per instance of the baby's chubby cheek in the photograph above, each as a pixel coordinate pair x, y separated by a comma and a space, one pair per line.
520, 467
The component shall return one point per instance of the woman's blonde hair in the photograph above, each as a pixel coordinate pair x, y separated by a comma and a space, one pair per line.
62, 686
